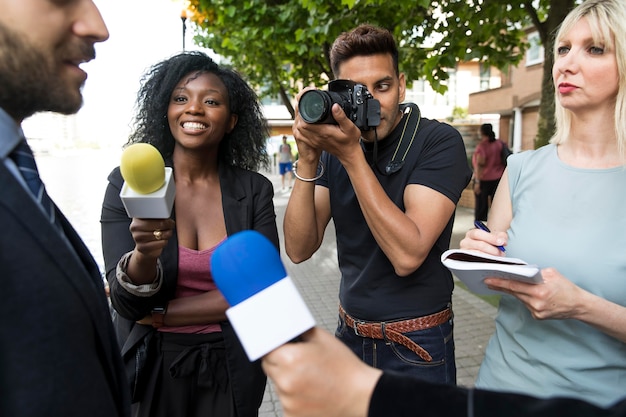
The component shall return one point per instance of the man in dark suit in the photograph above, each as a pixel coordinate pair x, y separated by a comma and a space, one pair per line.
320, 377
58, 352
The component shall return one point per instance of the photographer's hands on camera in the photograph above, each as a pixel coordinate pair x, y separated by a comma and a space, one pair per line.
341, 139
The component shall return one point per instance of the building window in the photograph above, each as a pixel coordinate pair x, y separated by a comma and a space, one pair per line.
271, 101
534, 54
485, 76
450, 95
416, 94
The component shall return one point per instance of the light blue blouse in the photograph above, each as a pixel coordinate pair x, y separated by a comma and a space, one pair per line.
575, 221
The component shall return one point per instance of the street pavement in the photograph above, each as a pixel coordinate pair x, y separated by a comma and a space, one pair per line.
318, 281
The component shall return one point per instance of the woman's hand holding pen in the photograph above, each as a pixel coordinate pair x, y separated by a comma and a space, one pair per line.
482, 239
556, 298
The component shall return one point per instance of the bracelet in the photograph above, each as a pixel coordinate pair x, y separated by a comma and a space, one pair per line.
317, 177
141, 290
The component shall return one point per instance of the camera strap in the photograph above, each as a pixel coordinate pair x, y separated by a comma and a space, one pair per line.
409, 130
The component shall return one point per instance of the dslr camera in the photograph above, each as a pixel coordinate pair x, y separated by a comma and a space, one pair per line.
355, 100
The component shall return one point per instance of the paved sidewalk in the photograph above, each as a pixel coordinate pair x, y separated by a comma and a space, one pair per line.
318, 281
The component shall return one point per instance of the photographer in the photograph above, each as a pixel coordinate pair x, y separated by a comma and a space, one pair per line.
390, 180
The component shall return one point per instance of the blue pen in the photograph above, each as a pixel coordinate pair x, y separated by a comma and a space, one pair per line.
480, 225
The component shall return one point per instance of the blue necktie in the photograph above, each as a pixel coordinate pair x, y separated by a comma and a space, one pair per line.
25, 161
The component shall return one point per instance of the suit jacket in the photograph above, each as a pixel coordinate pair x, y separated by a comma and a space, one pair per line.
247, 205
58, 351
400, 395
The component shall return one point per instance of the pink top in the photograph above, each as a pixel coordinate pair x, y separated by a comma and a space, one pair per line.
194, 278
491, 151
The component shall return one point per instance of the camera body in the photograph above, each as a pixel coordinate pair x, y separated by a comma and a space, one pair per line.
356, 101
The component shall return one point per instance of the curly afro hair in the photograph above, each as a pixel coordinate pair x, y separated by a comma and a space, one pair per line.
244, 147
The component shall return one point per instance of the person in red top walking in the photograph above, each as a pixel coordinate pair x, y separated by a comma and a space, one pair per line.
488, 168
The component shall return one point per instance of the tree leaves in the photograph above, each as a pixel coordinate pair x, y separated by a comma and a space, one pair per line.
282, 45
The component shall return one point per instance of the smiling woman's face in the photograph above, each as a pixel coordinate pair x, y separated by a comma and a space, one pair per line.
198, 112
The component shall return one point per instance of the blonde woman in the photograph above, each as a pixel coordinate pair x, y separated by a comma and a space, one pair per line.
562, 207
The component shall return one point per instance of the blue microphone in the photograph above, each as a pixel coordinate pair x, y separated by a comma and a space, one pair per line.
266, 309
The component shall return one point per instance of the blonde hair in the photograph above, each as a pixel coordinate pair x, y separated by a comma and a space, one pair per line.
605, 18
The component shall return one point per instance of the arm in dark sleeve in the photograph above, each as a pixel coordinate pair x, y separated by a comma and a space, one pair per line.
248, 203
116, 241
489, 403
115, 223
442, 164
264, 214
402, 396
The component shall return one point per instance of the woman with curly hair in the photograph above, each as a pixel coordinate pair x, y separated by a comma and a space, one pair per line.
207, 123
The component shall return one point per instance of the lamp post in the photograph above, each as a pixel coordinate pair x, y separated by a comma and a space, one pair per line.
183, 17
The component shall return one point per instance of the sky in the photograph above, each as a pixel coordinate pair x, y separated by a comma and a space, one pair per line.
142, 32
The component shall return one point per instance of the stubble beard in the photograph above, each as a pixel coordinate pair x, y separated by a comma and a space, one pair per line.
390, 123
30, 81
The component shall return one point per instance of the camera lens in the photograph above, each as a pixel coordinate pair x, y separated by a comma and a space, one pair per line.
314, 106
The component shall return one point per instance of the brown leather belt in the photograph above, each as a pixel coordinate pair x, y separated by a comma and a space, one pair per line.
393, 330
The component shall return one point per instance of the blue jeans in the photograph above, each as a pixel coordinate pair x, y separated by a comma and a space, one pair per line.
387, 355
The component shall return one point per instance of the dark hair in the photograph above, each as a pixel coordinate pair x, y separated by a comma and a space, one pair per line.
487, 130
363, 40
243, 147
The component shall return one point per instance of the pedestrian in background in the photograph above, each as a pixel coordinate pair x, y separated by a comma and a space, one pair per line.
285, 163
488, 169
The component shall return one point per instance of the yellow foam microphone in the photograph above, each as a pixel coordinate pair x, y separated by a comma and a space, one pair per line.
148, 190
143, 168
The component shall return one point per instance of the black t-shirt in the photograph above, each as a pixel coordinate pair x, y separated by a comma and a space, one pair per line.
370, 289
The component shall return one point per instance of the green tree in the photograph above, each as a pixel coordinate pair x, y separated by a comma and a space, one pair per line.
284, 44
458, 113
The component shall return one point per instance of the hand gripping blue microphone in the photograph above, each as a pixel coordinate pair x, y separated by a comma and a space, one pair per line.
266, 308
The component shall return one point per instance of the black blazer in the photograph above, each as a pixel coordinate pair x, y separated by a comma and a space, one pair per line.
247, 204
400, 395
58, 351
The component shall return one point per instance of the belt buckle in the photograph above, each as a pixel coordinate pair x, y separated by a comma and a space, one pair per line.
356, 327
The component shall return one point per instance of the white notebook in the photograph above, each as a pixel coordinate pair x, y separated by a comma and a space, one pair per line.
472, 267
